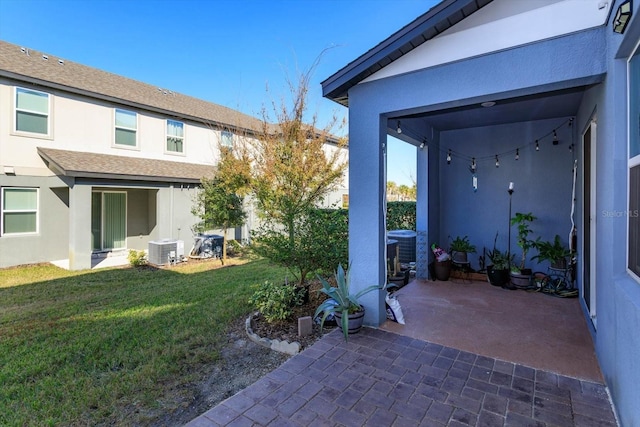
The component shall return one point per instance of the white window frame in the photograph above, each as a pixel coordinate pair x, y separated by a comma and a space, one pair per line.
230, 135
36, 210
632, 162
167, 136
116, 127
17, 131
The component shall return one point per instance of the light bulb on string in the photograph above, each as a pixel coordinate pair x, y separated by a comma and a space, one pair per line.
473, 164
517, 154
537, 146
555, 138
497, 162
449, 157
399, 130
570, 147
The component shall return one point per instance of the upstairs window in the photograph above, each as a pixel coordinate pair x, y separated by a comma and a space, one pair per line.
32, 111
226, 139
175, 136
126, 128
19, 210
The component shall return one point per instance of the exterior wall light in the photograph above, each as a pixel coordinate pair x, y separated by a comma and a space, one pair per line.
622, 18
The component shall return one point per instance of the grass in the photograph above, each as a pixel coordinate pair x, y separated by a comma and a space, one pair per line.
102, 347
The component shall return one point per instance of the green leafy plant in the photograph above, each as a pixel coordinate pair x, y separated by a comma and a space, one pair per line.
275, 301
500, 260
401, 216
522, 220
137, 258
554, 252
461, 244
341, 300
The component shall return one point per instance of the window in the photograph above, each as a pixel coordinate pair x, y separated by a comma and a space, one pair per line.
226, 139
634, 163
19, 210
126, 128
32, 111
175, 136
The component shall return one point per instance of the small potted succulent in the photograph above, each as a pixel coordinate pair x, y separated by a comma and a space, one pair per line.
344, 305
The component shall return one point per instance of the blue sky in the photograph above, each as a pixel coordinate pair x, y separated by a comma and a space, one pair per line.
223, 51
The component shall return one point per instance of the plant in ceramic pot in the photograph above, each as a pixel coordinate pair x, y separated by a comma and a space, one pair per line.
521, 276
554, 252
498, 270
459, 248
342, 304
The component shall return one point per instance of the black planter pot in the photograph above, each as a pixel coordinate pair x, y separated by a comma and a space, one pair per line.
498, 277
442, 270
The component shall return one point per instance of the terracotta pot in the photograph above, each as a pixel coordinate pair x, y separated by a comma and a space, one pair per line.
355, 321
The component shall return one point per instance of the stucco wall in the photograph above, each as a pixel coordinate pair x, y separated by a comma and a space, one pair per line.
542, 180
51, 242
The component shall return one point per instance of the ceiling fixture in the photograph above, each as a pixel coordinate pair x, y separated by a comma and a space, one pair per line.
622, 18
488, 104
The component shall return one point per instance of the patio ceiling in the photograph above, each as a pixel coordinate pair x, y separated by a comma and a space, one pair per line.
563, 103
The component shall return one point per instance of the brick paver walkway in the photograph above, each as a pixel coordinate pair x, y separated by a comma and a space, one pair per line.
383, 379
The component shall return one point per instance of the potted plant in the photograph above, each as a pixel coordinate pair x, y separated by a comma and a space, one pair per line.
521, 276
498, 270
554, 252
344, 305
459, 249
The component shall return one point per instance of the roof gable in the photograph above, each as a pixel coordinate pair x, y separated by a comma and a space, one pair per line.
460, 29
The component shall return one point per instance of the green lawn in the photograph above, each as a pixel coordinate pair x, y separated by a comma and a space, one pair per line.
101, 347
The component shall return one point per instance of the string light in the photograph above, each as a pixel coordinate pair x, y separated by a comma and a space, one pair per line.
555, 138
517, 154
399, 130
449, 157
473, 164
570, 147
497, 162
537, 146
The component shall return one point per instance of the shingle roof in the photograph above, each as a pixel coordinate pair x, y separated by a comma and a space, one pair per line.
91, 165
30, 65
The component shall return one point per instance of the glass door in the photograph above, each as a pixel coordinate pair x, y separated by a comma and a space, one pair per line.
108, 220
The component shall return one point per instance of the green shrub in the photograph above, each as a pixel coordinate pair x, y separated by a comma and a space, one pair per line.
319, 243
401, 216
137, 258
275, 301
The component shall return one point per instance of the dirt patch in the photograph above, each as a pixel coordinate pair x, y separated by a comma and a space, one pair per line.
242, 363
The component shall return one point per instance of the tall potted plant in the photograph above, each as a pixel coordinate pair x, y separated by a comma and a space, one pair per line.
521, 276
344, 305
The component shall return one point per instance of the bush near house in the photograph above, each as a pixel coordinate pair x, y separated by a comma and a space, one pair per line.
401, 216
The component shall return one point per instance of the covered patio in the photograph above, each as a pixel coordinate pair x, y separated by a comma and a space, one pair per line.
470, 354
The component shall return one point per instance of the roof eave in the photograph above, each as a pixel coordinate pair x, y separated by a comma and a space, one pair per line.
438, 19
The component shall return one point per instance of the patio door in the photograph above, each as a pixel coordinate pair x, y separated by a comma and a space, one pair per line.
589, 216
108, 220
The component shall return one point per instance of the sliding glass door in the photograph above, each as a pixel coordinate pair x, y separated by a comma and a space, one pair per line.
108, 220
